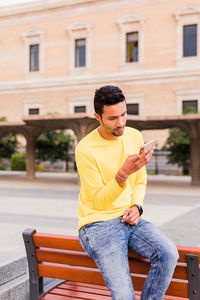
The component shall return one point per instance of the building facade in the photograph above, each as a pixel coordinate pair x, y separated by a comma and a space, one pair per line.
55, 53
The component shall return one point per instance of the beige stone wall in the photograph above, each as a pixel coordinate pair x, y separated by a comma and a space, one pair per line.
159, 81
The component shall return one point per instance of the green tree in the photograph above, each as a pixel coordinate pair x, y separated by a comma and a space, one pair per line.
179, 146
54, 145
8, 144
2, 119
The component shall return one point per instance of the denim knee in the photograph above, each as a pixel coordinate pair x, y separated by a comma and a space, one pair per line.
169, 257
172, 256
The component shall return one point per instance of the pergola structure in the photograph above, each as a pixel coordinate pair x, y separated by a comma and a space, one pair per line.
82, 124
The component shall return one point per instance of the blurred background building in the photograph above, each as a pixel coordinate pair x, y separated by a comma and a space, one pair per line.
55, 53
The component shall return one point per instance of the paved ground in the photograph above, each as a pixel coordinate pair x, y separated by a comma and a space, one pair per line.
49, 204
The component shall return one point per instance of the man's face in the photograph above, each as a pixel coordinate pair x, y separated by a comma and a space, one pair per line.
113, 120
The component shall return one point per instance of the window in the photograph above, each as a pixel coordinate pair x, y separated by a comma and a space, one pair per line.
34, 58
190, 40
34, 111
80, 109
187, 38
80, 51
132, 46
131, 38
80, 47
33, 107
132, 108
190, 106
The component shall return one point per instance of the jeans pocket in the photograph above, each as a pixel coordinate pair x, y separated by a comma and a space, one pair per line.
84, 240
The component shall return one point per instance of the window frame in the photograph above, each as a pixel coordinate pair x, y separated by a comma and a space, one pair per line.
187, 95
189, 15
131, 23
32, 104
136, 98
79, 30
33, 37
189, 100
79, 101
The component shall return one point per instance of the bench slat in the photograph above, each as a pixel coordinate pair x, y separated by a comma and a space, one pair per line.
83, 260
58, 297
98, 288
72, 243
187, 250
176, 288
94, 286
57, 241
80, 288
66, 257
78, 294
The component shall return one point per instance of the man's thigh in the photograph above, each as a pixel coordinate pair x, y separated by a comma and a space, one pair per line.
107, 243
146, 239
104, 237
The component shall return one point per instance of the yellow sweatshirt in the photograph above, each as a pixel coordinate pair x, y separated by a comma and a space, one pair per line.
98, 160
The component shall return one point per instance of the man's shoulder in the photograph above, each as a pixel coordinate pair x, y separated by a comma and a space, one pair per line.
132, 131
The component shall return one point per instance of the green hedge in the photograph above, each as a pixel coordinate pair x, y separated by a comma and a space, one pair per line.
18, 161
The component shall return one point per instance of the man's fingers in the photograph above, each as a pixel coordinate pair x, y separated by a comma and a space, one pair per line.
134, 221
130, 215
126, 215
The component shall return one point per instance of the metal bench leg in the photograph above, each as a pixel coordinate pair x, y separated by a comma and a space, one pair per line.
193, 276
36, 282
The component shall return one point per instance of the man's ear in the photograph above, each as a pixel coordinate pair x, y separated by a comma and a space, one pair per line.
97, 116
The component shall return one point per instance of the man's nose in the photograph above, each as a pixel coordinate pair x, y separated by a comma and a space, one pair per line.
120, 122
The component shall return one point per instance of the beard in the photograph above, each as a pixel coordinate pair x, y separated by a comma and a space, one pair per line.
118, 131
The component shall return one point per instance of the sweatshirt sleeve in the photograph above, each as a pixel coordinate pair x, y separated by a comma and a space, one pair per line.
100, 193
139, 188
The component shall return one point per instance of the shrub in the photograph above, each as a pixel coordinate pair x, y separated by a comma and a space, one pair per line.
39, 167
18, 161
2, 167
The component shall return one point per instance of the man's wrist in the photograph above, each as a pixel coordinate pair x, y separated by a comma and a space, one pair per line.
121, 177
139, 207
121, 174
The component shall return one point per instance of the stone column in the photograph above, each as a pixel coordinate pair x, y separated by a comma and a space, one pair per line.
193, 131
194, 136
31, 134
30, 157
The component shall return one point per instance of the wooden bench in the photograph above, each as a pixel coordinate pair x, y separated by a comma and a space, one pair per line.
76, 276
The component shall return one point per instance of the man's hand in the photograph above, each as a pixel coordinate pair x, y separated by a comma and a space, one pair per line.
131, 216
134, 162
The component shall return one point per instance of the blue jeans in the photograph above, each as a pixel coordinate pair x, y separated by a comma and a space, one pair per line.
107, 242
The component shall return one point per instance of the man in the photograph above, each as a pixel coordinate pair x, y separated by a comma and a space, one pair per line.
112, 171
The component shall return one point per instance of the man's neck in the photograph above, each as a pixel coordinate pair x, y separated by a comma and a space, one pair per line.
106, 136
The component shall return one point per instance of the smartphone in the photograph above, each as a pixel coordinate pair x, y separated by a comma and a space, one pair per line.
148, 146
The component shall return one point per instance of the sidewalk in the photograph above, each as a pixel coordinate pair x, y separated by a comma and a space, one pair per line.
49, 204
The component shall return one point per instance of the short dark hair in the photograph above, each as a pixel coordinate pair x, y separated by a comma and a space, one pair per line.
107, 95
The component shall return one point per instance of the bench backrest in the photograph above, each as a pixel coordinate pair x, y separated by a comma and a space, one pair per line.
62, 257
